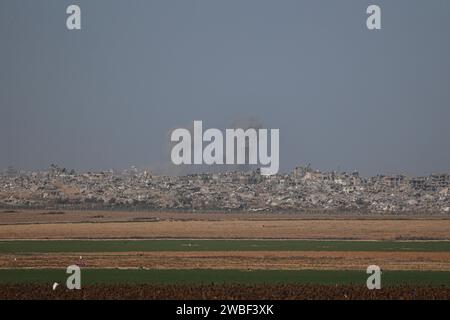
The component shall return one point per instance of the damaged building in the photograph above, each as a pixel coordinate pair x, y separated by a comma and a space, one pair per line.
304, 189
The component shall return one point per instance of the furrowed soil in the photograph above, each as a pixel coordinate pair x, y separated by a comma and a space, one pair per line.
236, 229
54, 224
223, 292
248, 260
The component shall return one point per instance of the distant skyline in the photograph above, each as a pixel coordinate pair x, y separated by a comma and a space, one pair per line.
344, 98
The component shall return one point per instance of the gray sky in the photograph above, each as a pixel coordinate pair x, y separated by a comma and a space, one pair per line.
342, 96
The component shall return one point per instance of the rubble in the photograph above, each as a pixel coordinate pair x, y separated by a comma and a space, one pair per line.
303, 189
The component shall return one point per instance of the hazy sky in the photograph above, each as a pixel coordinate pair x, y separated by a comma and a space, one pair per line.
342, 96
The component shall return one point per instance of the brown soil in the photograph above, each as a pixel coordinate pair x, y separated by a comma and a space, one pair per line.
239, 229
19, 216
284, 260
223, 292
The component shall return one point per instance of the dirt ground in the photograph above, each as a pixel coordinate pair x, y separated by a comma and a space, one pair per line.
223, 292
284, 260
54, 224
237, 229
40, 224
75, 216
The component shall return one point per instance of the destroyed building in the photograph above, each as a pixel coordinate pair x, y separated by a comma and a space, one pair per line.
302, 190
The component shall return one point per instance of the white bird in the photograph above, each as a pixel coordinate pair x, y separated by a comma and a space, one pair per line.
55, 285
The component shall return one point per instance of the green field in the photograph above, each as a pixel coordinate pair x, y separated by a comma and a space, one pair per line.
193, 276
196, 276
66, 246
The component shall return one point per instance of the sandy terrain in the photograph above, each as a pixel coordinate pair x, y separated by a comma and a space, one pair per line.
268, 229
284, 260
